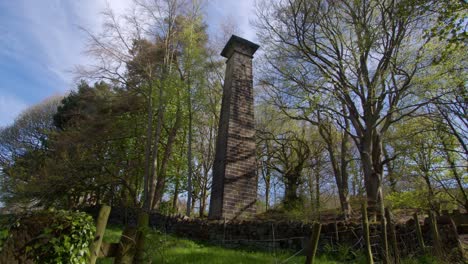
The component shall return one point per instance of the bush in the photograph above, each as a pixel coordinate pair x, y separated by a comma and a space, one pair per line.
409, 199
69, 237
419, 199
52, 237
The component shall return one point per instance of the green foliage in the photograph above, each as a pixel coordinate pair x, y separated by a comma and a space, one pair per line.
451, 23
344, 253
171, 250
175, 250
6, 222
409, 199
66, 238
166, 207
280, 213
4, 234
419, 199
426, 259
112, 234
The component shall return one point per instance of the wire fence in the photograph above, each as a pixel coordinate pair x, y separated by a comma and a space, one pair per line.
287, 240
347, 241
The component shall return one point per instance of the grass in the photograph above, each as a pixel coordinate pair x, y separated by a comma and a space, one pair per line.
169, 249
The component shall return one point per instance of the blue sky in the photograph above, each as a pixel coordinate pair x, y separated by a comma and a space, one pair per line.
41, 43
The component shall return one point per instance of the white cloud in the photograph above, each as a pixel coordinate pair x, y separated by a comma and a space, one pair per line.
48, 32
44, 40
41, 43
10, 108
242, 11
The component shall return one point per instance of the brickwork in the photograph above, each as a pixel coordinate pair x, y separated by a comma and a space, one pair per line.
234, 188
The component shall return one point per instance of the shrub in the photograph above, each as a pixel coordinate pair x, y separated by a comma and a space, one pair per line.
69, 237
419, 199
53, 237
408, 199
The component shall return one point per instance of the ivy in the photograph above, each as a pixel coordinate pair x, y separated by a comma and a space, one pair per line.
66, 238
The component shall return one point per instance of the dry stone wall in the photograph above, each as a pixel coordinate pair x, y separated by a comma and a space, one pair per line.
289, 235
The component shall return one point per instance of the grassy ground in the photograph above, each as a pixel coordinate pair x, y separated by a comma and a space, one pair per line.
172, 250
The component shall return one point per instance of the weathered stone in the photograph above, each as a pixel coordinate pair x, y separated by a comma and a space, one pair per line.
234, 188
288, 235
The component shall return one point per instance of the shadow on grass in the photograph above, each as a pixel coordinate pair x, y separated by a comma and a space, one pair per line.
168, 249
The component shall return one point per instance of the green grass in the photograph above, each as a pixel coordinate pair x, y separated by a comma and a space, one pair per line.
169, 249
185, 251
112, 234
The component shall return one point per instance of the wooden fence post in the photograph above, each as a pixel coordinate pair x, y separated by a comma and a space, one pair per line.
314, 239
419, 232
365, 228
435, 234
393, 239
126, 247
459, 243
337, 235
101, 224
142, 230
383, 235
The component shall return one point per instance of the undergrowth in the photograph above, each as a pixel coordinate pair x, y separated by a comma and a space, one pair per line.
168, 249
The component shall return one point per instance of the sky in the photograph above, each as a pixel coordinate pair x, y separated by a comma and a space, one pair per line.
41, 43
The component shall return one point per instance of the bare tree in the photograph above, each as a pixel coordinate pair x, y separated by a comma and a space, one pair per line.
356, 56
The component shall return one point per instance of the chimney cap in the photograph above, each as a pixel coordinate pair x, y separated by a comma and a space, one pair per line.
241, 44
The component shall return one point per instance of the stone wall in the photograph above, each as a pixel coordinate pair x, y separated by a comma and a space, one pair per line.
290, 235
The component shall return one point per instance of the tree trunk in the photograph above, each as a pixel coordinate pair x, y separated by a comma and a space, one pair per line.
154, 175
204, 192
344, 157
203, 204
341, 178
340, 170
175, 197
267, 190
142, 230
456, 175
194, 201
161, 180
430, 192
189, 153
317, 193
371, 158
291, 199
391, 174
149, 133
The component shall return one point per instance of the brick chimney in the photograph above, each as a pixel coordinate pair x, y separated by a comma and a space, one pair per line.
234, 188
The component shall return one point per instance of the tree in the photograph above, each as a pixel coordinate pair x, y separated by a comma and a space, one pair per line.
358, 56
424, 163
23, 148
337, 145
286, 151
